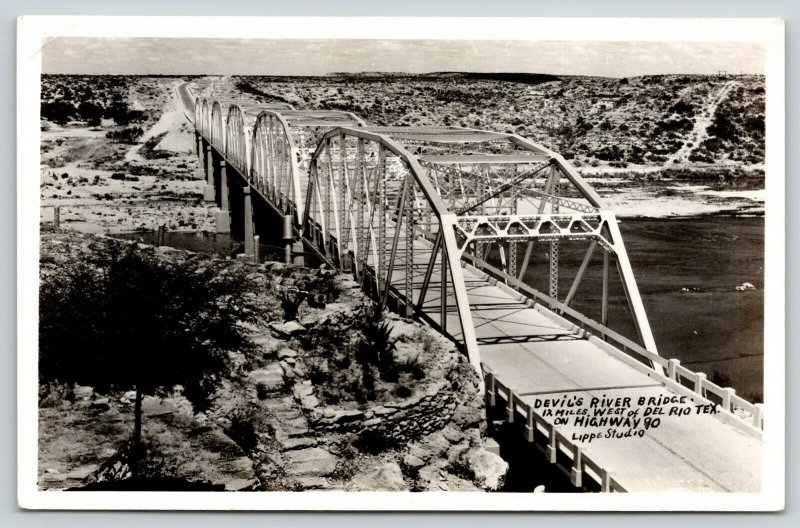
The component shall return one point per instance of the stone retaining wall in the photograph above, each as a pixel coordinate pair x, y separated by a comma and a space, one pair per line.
413, 417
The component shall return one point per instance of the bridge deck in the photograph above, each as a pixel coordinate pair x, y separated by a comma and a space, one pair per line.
531, 351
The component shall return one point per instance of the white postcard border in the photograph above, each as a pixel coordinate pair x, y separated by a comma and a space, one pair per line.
32, 31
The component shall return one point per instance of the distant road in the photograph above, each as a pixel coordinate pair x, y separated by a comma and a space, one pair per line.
187, 99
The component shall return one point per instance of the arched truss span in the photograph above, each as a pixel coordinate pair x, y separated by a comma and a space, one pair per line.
283, 142
275, 162
198, 113
205, 119
217, 127
237, 142
403, 206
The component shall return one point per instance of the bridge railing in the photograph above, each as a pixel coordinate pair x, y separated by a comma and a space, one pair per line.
557, 448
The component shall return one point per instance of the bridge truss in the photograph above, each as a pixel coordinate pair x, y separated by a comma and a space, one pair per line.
406, 208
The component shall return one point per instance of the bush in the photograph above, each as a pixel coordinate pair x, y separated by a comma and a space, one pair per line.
126, 135
242, 432
376, 347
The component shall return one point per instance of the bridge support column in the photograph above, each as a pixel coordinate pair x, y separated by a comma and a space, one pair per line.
223, 215
298, 254
209, 194
287, 234
249, 242
200, 173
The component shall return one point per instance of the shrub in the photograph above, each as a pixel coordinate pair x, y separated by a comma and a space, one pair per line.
291, 299
376, 347
126, 135
242, 431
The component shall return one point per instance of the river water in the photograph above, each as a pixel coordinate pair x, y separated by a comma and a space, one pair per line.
711, 327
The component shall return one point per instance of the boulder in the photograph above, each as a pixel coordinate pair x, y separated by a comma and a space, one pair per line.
313, 461
348, 416
287, 329
387, 477
490, 470
413, 461
241, 484
286, 353
291, 444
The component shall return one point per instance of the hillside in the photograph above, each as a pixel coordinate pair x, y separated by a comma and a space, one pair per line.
670, 121
116, 150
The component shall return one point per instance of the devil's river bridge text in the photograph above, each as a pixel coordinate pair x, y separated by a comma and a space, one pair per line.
616, 416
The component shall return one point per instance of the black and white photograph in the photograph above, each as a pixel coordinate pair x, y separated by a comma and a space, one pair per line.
279, 262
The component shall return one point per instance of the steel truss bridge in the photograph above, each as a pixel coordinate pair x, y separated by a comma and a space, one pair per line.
414, 213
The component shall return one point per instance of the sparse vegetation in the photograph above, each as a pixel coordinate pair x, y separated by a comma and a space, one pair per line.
127, 321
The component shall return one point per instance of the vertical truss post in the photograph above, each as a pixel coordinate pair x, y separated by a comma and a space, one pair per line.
529, 250
395, 240
437, 243
604, 307
270, 160
330, 204
409, 249
370, 244
359, 197
380, 205
443, 293
512, 246
554, 245
342, 181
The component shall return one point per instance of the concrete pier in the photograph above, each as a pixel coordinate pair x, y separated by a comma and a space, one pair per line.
249, 243
223, 214
208, 191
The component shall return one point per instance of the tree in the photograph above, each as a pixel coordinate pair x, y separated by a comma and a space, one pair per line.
91, 112
134, 322
58, 111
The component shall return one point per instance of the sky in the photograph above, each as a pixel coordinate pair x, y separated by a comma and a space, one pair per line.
319, 57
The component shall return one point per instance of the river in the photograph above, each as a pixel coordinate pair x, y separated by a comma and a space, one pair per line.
711, 327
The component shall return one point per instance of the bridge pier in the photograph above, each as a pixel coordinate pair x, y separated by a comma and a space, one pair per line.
287, 234
223, 214
200, 172
209, 194
249, 242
